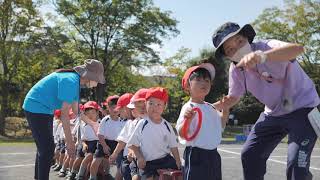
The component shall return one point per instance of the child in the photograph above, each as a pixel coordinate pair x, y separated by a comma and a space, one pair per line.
65, 167
202, 160
108, 130
60, 148
137, 106
153, 138
56, 122
89, 136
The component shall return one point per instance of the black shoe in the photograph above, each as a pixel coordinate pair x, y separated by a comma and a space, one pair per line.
62, 173
57, 168
72, 176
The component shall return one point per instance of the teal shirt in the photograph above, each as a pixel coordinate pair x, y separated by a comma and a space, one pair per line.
51, 91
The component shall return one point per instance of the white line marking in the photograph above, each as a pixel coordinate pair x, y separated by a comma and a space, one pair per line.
14, 166
272, 160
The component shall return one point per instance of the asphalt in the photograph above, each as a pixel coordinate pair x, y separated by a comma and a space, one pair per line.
17, 162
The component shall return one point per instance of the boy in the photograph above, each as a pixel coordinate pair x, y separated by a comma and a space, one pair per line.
109, 129
89, 136
202, 160
153, 138
137, 106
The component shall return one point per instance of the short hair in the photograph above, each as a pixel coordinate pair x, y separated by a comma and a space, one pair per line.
200, 72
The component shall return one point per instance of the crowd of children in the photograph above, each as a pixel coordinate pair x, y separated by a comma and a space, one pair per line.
135, 137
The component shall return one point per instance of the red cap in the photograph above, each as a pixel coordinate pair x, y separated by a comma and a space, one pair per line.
207, 66
140, 95
57, 113
124, 100
81, 107
91, 104
110, 98
157, 92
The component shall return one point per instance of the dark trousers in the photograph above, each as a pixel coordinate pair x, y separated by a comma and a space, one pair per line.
267, 134
41, 127
201, 164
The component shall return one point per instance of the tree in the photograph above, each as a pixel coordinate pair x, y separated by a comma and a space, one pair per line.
18, 19
116, 32
298, 23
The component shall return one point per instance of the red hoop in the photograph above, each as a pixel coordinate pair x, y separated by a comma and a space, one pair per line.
186, 125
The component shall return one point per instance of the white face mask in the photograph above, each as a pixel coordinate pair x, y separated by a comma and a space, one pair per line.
91, 84
244, 50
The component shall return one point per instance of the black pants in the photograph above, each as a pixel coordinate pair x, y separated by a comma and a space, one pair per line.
42, 132
202, 164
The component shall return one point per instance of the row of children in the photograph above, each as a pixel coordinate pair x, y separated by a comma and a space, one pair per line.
140, 141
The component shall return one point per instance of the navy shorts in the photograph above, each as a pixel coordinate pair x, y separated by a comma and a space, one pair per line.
201, 164
92, 146
119, 159
80, 153
99, 151
62, 146
167, 162
125, 168
134, 170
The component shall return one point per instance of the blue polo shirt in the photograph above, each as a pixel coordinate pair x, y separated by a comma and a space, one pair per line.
51, 91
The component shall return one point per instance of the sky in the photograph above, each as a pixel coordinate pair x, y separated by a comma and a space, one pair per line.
199, 19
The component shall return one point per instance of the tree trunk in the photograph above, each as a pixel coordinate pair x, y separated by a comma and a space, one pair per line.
4, 109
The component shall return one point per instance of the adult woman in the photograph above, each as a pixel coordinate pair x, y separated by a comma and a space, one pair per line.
58, 90
269, 71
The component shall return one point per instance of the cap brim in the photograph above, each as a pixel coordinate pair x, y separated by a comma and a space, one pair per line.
209, 67
131, 105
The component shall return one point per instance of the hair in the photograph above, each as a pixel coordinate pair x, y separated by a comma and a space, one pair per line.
88, 109
113, 101
200, 73
65, 70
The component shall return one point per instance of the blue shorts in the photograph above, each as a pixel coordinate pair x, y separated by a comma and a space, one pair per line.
201, 164
167, 162
62, 146
99, 151
92, 146
125, 169
80, 153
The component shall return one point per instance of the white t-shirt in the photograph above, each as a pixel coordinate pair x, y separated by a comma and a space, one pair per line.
126, 133
210, 134
57, 133
88, 133
154, 140
110, 128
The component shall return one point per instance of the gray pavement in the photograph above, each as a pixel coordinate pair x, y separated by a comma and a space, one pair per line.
16, 162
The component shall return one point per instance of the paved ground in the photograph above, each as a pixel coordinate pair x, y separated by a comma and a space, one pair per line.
16, 162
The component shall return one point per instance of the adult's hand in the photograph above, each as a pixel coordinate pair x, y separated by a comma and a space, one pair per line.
226, 102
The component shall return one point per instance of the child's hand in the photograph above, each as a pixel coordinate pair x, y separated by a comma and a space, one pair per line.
130, 156
189, 114
141, 163
84, 148
113, 158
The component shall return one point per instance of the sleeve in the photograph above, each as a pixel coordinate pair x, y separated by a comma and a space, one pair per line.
173, 138
135, 138
236, 82
102, 127
124, 133
180, 120
273, 43
68, 90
